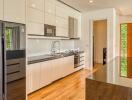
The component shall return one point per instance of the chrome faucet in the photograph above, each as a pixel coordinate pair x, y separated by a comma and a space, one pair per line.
55, 47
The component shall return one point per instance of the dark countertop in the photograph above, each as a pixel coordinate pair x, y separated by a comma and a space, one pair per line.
42, 58
111, 82
115, 72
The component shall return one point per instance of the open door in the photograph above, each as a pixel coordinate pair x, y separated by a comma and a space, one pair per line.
100, 42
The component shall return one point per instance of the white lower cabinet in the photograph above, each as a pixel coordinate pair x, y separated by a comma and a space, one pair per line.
68, 65
56, 69
33, 77
43, 73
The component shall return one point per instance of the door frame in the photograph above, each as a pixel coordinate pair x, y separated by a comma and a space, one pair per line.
92, 41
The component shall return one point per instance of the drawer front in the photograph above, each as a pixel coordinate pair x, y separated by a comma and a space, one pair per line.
15, 69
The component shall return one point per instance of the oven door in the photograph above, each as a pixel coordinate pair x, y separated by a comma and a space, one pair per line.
76, 61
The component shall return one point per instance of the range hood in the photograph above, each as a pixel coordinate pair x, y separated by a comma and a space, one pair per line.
73, 28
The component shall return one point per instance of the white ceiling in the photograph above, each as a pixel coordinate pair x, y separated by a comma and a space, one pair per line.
125, 6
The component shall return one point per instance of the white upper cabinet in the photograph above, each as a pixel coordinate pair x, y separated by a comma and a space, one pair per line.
50, 12
62, 10
50, 6
35, 28
35, 17
36, 4
50, 19
61, 20
1, 9
35, 22
46, 73
14, 10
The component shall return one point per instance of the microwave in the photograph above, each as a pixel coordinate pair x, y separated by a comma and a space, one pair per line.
49, 30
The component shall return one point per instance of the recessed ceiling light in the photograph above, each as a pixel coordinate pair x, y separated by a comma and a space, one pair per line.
91, 1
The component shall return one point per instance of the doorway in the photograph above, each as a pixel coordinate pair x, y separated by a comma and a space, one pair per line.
99, 42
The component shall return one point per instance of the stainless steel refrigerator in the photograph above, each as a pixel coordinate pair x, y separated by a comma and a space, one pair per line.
12, 61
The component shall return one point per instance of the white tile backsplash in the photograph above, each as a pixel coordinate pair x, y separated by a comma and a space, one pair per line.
41, 46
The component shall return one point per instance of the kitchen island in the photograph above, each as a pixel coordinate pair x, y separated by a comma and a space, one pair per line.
112, 81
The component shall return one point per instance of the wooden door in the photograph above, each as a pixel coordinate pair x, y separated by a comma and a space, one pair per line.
129, 40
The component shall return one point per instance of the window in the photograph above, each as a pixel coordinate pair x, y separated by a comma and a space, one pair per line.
124, 50
9, 41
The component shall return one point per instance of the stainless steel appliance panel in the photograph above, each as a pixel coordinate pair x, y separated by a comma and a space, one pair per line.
1, 65
15, 61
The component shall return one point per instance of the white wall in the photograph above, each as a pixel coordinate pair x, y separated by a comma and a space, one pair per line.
125, 19
87, 19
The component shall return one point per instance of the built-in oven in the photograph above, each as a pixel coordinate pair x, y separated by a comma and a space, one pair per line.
50, 30
78, 60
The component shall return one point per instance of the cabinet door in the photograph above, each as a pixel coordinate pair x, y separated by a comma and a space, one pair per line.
49, 19
36, 16
61, 32
35, 28
46, 73
61, 27
33, 77
1, 9
62, 22
14, 10
57, 69
50, 6
50, 12
68, 65
61, 10
36, 4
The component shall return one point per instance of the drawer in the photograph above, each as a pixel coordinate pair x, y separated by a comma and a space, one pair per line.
13, 76
13, 68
